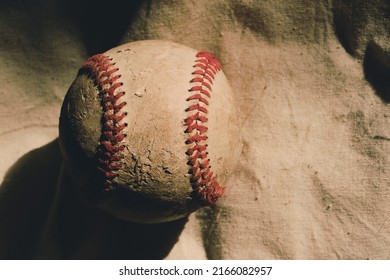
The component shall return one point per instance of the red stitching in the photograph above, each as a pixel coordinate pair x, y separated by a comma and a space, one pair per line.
204, 184
108, 153
197, 107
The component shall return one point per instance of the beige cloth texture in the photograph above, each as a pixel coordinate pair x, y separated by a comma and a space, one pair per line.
311, 79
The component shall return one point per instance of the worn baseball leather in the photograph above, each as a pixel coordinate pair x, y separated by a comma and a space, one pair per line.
150, 131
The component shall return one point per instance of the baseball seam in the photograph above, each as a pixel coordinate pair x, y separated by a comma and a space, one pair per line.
109, 151
203, 181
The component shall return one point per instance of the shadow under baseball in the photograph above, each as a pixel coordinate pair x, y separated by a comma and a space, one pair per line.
42, 218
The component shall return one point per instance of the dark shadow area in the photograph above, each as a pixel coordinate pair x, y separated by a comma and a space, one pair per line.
361, 27
349, 19
143, 241
377, 70
210, 219
102, 23
357, 22
41, 217
26, 196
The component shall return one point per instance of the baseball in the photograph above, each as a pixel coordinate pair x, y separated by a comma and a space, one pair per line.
150, 131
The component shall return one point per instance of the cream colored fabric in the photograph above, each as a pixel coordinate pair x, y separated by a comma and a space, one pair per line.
311, 79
